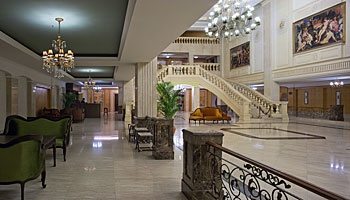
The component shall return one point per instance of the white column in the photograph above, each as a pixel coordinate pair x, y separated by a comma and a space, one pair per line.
23, 96
31, 100
128, 99
195, 98
146, 74
2, 100
271, 88
190, 58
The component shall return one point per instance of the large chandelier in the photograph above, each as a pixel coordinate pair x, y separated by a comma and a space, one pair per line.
231, 18
336, 83
57, 61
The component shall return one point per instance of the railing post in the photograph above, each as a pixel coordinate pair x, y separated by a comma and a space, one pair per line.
284, 111
196, 181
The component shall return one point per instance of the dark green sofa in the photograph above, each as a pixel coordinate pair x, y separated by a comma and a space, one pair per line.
59, 127
22, 160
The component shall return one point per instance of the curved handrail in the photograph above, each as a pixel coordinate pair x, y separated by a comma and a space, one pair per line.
301, 183
266, 105
194, 70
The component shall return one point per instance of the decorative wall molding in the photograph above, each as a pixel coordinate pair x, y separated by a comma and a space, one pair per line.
249, 78
312, 69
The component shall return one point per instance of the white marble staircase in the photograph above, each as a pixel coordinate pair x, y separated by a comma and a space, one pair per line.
247, 103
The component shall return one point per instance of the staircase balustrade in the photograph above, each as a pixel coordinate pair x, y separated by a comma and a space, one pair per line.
196, 40
240, 98
265, 105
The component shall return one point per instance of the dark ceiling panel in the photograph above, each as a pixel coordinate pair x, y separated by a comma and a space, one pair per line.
90, 28
94, 72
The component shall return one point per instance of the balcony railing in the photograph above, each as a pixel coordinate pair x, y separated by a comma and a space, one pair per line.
239, 177
196, 40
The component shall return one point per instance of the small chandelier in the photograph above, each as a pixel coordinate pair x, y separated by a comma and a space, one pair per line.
56, 60
231, 18
336, 83
90, 83
97, 89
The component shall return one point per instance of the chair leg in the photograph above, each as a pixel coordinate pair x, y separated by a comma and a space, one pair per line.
43, 178
64, 153
22, 191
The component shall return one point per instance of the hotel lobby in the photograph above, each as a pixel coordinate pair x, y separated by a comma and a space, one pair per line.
288, 97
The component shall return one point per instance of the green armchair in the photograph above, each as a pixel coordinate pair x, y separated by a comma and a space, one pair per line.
22, 160
59, 127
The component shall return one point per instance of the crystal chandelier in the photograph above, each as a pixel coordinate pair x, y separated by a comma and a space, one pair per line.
231, 18
90, 83
336, 83
57, 61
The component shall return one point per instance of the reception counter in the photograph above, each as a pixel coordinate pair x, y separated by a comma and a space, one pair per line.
92, 110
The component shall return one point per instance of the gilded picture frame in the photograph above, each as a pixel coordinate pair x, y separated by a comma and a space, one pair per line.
240, 55
321, 29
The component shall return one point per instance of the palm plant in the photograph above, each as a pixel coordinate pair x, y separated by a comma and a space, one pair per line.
168, 99
68, 99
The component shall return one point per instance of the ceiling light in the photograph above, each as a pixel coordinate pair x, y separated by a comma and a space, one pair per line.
336, 83
195, 57
231, 18
89, 83
56, 60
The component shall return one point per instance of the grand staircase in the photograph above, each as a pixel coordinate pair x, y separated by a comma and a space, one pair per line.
247, 103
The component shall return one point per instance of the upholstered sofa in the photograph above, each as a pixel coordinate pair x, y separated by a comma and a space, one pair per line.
209, 114
22, 160
59, 127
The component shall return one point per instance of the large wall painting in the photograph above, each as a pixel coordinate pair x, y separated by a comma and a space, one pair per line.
321, 29
240, 55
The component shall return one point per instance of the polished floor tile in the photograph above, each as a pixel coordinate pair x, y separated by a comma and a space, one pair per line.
101, 163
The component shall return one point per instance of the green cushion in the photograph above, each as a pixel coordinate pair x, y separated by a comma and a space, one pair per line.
42, 126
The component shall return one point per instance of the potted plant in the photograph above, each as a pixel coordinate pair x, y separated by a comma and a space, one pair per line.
168, 101
68, 101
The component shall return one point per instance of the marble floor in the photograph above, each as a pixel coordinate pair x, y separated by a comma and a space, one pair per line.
102, 165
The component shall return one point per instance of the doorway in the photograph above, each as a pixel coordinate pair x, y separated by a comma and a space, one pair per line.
116, 103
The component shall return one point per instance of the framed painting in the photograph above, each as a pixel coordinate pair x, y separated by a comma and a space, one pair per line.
321, 29
240, 55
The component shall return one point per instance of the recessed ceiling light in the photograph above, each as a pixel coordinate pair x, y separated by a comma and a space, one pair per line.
167, 56
195, 57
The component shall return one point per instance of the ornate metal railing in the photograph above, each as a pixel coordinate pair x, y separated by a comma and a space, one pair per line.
239, 177
196, 40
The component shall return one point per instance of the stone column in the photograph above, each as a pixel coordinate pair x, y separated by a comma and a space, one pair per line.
196, 169
195, 98
190, 58
146, 80
2, 100
271, 88
163, 139
128, 108
23, 96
